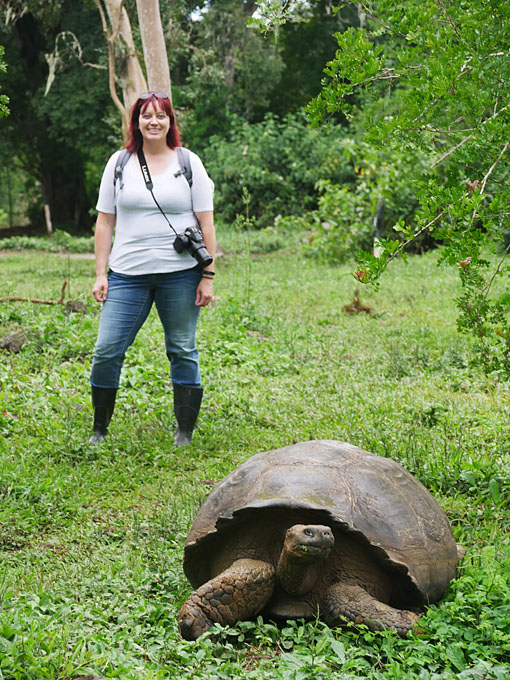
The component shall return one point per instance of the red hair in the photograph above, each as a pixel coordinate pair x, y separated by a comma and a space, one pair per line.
135, 139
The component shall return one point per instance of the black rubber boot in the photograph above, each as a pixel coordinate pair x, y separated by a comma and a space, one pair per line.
103, 401
187, 402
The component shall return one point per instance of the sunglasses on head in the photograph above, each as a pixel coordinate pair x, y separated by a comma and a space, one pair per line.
158, 95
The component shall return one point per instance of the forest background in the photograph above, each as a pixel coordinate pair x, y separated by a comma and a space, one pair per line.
239, 95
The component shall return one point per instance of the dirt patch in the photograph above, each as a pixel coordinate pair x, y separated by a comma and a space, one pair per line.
13, 342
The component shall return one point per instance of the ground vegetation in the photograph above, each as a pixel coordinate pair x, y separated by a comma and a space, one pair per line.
91, 538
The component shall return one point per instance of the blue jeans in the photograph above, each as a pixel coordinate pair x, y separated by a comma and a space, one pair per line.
126, 307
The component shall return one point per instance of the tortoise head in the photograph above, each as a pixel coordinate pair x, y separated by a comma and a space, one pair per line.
307, 543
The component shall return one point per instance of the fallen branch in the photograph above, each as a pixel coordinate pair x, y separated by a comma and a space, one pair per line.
60, 301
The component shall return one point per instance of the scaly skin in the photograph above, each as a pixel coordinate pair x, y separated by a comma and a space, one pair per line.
355, 604
238, 593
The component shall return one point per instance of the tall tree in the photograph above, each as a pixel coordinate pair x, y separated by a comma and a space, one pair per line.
124, 65
52, 139
232, 70
154, 48
435, 76
61, 118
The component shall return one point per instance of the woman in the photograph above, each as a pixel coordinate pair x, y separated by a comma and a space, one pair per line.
144, 266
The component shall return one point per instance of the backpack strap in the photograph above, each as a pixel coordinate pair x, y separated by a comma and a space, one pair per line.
119, 167
185, 164
183, 156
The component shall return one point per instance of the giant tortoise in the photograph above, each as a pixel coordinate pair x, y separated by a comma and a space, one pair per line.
318, 528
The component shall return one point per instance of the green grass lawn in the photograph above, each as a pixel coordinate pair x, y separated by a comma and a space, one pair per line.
91, 539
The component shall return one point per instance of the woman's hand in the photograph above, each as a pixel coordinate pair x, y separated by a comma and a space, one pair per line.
100, 290
204, 292
102, 244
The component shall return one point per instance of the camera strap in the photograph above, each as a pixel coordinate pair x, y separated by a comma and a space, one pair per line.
150, 186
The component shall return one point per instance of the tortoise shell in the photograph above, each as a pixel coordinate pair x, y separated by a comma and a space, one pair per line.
330, 482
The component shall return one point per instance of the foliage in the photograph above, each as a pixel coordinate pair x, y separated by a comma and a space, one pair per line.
4, 100
431, 78
344, 220
49, 140
91, 543
230, 69
60, 139
61, 241
278, 162
304, 33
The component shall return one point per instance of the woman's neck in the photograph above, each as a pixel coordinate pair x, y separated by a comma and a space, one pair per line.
156, 148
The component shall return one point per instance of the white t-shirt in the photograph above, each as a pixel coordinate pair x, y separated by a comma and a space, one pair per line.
143, 241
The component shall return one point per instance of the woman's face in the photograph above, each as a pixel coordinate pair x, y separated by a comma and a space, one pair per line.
153, 123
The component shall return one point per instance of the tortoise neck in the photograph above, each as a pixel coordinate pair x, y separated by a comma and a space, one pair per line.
296, 576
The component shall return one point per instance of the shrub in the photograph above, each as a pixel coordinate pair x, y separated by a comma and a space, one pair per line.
344, 220
278, 162
60, 242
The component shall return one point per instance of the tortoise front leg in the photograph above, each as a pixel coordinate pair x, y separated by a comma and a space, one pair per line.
354, 603
238, 593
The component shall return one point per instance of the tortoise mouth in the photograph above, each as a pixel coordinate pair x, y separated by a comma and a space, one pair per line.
308, 554
313, 549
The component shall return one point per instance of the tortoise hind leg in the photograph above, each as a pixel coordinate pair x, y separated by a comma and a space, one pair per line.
238, 593
352, 602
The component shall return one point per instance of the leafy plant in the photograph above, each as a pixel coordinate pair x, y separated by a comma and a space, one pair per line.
278, 162
428, 78
4, 100
61, 241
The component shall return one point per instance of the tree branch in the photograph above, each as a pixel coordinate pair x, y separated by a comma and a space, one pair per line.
390, 30
489, 173
488, 286
450, 21
425, 128
60, 301
461, 75
451, 151
466, 139
110, 39
414, 236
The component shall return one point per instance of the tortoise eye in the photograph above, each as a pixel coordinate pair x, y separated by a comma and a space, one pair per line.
308, 532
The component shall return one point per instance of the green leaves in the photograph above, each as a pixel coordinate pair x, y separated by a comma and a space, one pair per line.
424, 75
278, 162
356, 63
4, 100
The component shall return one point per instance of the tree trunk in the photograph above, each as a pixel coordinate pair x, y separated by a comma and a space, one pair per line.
131, 78
154, 49
47, 211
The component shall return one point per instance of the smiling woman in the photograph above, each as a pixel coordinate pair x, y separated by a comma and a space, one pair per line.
145, 266
153, 123
153, 107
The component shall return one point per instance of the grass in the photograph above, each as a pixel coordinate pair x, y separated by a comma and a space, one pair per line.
91, 539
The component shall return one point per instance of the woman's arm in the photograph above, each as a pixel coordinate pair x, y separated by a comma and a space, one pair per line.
205, 287
102, 245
